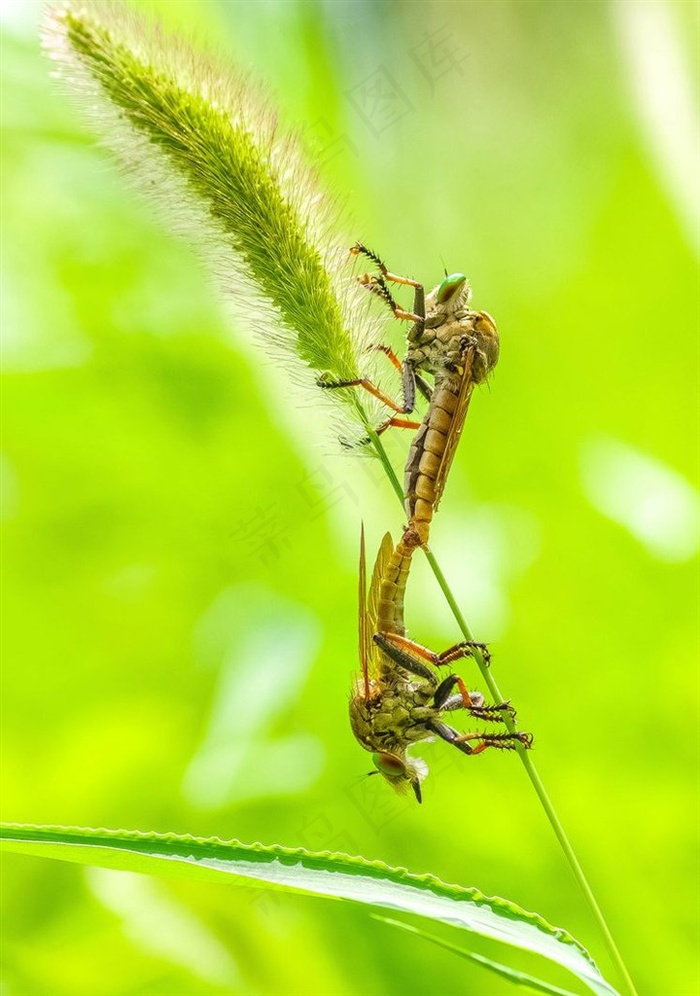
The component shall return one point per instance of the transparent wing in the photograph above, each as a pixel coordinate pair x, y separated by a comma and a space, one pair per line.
458, 419
369, 606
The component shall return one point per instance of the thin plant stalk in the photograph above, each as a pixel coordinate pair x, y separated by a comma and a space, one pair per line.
524, 755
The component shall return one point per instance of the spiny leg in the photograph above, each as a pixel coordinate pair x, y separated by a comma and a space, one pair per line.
409, 378
469, 700
377, 285
361, 250
500, 741
464, 649
403, 658
473, 702
411, 657
388, 351
409, 393
399, 423
488, 713
418, 314
454, 653
409, 390
368, 386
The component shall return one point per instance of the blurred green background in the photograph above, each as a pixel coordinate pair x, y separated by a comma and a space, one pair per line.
179, 617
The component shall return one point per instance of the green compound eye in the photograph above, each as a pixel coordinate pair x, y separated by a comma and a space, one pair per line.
449, 286
389, 765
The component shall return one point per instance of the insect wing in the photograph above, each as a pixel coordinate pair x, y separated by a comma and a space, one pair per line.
457, 424
369, 605
379, 574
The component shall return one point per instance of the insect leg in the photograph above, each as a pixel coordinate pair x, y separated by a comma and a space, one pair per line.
368, 386
501, 741
361, 250
403, 644
465, 699
473, 702
492, 713
409, 388
389, 352
451, 736
489, 713
454, 653
399, 423
402, 657
408, 378
378, 286
424, 388
464, 649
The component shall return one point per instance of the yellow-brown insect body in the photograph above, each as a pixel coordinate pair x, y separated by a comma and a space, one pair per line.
459, 347
392, 590
393, 717
399, 699
389, 707
437, 344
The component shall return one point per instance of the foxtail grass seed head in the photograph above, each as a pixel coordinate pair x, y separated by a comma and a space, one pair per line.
204, 144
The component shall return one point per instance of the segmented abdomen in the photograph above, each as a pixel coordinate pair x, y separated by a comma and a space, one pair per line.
393, 589
424, 459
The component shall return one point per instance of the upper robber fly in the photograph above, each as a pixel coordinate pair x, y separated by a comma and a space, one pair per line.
458, 347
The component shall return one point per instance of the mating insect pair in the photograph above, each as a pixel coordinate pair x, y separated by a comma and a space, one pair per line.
398, 699
458, 347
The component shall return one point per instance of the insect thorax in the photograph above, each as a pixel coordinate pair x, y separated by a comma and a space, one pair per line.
393, 717
440, 347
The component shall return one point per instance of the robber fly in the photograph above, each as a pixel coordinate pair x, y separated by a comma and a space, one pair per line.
458, 347
399, 699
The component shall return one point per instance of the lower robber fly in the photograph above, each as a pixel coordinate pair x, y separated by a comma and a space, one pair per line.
399, 700
458, 347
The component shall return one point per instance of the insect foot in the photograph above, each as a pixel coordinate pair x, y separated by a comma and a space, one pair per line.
493, 713
481, 647
501, 741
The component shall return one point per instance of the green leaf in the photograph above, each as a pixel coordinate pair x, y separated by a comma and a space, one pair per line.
336, 876
511, 974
